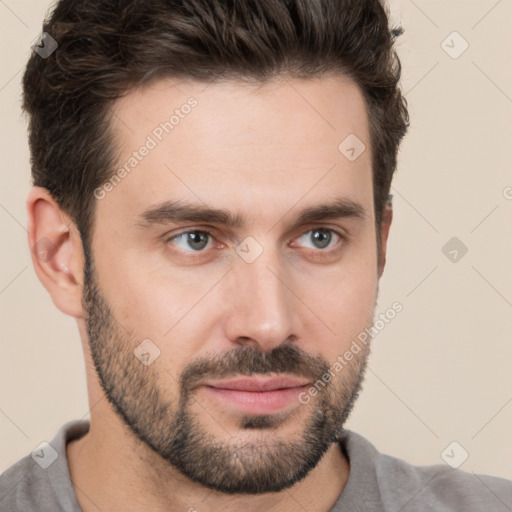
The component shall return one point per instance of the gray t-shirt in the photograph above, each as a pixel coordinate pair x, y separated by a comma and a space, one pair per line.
377, 483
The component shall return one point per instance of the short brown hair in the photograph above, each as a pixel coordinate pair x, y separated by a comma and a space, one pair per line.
105, 48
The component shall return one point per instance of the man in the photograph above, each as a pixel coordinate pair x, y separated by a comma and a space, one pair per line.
216, 320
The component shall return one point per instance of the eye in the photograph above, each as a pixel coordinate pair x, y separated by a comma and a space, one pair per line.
320, 238
191, 241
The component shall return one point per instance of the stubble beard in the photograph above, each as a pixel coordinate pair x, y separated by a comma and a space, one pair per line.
245, 464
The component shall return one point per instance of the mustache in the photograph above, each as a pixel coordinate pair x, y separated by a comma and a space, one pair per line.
288, 359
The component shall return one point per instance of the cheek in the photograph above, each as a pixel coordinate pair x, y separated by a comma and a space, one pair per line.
347, 308
177, 312
344, 299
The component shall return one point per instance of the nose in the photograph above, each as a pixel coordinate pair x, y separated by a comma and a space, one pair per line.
262, 313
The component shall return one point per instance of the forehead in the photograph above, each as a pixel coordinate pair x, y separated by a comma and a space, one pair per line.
236, 145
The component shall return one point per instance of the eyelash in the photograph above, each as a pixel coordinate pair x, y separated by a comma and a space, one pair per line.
342, 237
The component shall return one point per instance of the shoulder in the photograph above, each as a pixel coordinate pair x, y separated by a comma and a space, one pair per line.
41, 480
441, 488
21, 484
403, 486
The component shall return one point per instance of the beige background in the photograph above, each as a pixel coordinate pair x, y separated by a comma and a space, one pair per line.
440, 371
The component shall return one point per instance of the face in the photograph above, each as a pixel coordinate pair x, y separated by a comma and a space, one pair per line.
232, 262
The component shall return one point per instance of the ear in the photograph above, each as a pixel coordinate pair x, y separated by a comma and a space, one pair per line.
56, 249
387, 218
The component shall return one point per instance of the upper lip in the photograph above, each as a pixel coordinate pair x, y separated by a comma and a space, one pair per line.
259, 384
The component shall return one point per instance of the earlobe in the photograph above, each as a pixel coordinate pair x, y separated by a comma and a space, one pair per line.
387, 218
56, 251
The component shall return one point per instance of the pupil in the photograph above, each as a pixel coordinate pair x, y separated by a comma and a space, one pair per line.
322, 238
197, 240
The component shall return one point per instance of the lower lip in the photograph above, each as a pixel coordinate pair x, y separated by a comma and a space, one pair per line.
257, 402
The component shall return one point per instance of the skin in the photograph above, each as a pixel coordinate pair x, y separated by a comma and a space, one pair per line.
266, 153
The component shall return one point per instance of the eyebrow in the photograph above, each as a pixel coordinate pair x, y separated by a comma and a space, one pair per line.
177, 211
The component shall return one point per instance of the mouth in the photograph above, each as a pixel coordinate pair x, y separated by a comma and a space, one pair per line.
257, 395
